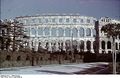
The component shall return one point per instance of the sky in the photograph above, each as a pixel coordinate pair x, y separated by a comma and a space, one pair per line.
95, 8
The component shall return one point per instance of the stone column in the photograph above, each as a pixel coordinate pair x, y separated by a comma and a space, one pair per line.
92, 47
57, 47
50, 47
106, 50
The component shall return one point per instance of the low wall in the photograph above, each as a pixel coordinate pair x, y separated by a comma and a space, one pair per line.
19, 59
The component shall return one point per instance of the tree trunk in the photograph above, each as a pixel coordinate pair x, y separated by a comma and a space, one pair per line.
114, 56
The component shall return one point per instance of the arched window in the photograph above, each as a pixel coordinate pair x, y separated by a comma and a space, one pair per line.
103, 44
47, 31
53, 32
81, 32
33, 31
108, 45
67, 32
40, 31
81, 45
88, 45
74, 32
60, 32
94, 32
88, 20
88, 32
75, 43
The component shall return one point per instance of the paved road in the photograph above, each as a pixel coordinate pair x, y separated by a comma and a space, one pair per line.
82, 68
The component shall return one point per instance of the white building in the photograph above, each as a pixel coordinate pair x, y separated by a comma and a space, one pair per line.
65, 32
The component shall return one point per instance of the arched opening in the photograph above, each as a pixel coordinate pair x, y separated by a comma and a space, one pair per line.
67, 32
75, 43
81, 45
40, 31
47, 31
74, 32
88, 32
67, 45
81, 32
8, 57
60, 32
33, 31
108, 45
88, 45
18, 58
103, 44
53, 32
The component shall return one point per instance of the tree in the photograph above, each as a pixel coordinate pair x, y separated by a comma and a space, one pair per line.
12, 34
112, 30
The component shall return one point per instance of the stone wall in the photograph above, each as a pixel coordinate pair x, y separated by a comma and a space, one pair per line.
19, 59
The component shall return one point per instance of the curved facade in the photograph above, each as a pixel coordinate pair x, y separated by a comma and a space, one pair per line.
61, 32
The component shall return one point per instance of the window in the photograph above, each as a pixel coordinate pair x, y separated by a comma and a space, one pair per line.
88, 45
108, 45
26, 21
81, 32
60, 32
81, 45
60, 20
81, 20
53, 20
103, 44
39, 20
33, 31
46, 20
33, 21
67, 32
47, 31
40, 31
88, 32
53, 32
67, 20
74, 20
88, 20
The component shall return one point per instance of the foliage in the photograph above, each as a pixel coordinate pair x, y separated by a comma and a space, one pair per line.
111, 30
12, 34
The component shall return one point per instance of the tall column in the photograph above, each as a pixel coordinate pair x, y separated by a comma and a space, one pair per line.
64, 45
57, 48
106, 50
78, 33
100, 47
92, 47
50, 47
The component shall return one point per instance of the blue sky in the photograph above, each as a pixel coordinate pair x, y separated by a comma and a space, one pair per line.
95, 8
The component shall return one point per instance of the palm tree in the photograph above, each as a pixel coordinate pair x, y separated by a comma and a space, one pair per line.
112, 30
